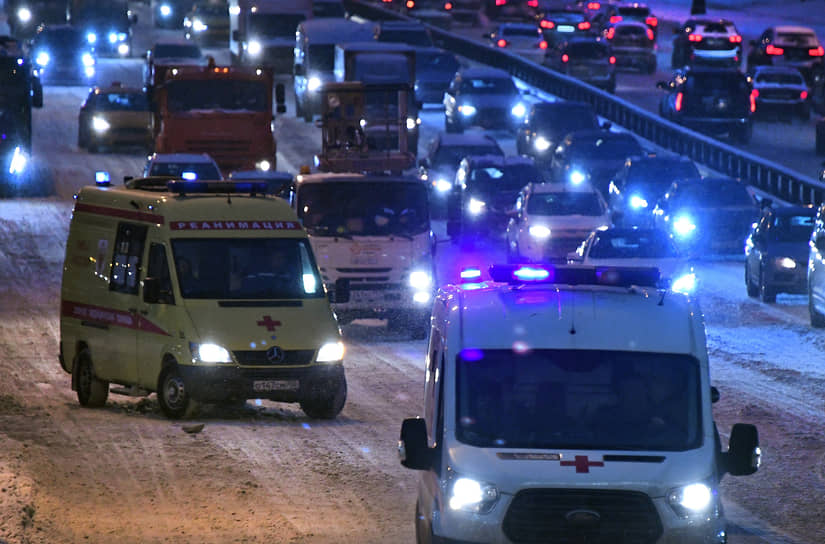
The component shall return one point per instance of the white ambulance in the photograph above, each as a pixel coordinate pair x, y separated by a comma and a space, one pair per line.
371, 235
569, 404
199, 292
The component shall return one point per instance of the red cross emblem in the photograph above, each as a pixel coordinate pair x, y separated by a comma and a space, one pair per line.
582, 464
268, 323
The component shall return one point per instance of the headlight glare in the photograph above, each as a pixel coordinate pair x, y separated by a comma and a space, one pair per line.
88, 59
539, 231
165, 10
518, 110
24, 15
112, 37
199, 26
42, 58
475, 207
637, 202
412, 122
692, 500
211, 353
472, 496
19, 161
91, 37
313, 84
785, 262
420, 280
577, 177
442, 185
467, 110
254, 48
684, 226
331, 352
684, 284
99, 124
541, 143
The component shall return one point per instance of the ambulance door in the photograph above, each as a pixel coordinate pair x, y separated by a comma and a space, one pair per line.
114, 357
158, 314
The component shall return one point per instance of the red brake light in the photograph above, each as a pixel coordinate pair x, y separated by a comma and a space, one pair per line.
448, 6
754, 94
612, 60
584, 25
594, 5
651, 21
650, 35
565, 57
694, 37
547, 24
501, 42
611, 32
615, 18
816, 52
501, 2
410, 4
678, 105
773, 50
533, 3
735, 39
542, 44
803, 95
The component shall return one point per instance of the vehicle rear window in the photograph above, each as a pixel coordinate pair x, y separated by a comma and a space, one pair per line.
520, 31
634, 11
592, 50
628, 30
792, 228
796, 39
779, 78
711, 84
717, 28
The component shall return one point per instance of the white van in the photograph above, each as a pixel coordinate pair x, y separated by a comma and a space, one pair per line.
569, 404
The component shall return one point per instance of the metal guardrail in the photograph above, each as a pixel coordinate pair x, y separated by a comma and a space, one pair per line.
767, 176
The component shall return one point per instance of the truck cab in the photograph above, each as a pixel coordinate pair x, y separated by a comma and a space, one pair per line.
263, 31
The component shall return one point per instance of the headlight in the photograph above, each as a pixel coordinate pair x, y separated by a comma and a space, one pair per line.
165, 10
113, 37
684, 284
24, 15
476, 206
254, 48
692, 500
421, 280
313, 84
412, 122
539, 231
577, 177
99, 124
123, 49
637, 202
331, 352
19, 161
90, 71
263, 165
541, 143
467, 110
88, 60
91, 37
210, 353
442, 185
42, 58
684, 226
199, 26
518, 110
472, 496
785, 262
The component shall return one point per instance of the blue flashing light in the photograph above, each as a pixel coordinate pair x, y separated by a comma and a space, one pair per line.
102, 178
189, 176
472, 354
471, 273
576, 275
532, 273
219, 187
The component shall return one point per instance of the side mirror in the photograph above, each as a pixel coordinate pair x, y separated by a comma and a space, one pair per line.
300, 70
743, 456
37, 93
412, 446
151, 290
280, 98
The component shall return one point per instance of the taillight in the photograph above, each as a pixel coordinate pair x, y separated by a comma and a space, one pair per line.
501, 2
547, 24
754, 94
735, 39
816, 52
615, 18
803, 95
565, 57
594, 5
584, 25
542, 44
501, 42
650, 35
679, 97
410, 4
773, 50
448, 6
533, 3
612, 60
611, 32
651, 21
694, 37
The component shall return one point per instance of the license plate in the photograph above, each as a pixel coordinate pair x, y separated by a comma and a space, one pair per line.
565, 28
365, 259
274, 385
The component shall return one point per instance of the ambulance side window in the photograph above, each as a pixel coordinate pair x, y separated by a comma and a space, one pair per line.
158, 267
126, 258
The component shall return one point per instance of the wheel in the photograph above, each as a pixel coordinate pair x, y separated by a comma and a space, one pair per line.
325, 397
173, 398
91, 391
752, 289
767, 293
817, 319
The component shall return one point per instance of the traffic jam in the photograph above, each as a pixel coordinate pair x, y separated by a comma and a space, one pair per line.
465, 271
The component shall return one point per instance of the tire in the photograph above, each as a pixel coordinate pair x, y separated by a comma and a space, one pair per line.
767, 293
174, 401
817, 319
325, 397
752, 289
92, 392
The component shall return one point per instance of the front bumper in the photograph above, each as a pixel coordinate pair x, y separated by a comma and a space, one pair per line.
788, 280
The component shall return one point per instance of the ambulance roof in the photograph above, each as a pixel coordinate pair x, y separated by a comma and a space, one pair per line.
353, 178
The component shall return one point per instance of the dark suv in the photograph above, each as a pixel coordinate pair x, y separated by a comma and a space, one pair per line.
716, 101
547, 123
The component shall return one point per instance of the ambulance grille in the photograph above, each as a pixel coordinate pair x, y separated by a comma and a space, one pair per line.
260, 358
549, 515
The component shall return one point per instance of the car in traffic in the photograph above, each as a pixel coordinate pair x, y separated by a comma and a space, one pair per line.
485, 97
707, 216
795, 46
592, 157
167, 53
207, 23
641, 182
524, 39
107, 27
547, 123
633, 45
711, 100
550, 220
587, 58
780, 91
816, 271
485, 193
636, 11
186, 166
408, 32
170, 13
707, 42
63, 56
435, 68
776, 251
509, 10
115, 115
641, 248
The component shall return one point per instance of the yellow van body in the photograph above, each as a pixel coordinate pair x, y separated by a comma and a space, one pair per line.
166, 288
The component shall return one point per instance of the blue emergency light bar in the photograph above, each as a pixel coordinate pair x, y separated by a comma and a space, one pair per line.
102, 178
218, 187
575, 275
472, 273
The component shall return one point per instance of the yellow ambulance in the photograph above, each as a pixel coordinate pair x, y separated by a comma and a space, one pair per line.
198, 291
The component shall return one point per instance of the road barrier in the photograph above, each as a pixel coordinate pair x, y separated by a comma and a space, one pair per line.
767, 176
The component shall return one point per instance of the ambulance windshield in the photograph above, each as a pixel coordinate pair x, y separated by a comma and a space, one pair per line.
379, 208
237, 268
578, 399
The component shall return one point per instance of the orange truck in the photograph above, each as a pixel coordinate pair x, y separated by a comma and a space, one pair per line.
225, 111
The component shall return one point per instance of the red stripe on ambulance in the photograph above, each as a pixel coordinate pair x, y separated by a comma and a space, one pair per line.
108, 316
